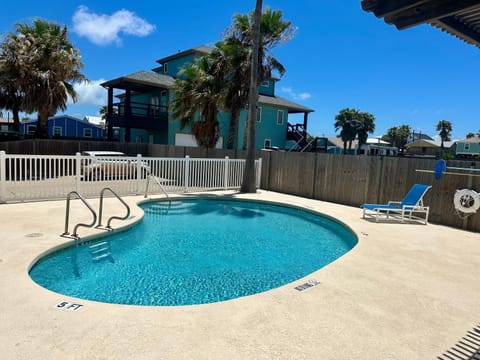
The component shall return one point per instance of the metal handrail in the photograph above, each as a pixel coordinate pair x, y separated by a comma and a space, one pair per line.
308, 144
67, 215
298, 141
112, 217
159, 184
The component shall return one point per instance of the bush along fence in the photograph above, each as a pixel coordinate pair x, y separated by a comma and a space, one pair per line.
36, 177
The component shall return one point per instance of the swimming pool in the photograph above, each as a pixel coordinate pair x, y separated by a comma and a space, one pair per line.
197, 251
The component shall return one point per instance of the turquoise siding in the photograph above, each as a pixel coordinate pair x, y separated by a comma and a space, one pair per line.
468, 148
175, 65
268, 128
269, 89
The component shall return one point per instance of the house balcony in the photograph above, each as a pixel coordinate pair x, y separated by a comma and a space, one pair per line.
139, 116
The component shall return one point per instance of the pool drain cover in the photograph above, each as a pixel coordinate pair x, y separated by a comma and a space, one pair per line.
307, 285
33, 235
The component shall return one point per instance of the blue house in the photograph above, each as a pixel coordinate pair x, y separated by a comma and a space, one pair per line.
65, 126
142, 111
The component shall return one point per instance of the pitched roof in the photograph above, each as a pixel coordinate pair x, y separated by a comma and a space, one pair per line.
475, 139
282, 102
201, 50
458, 18
430, 143
142, 79
338, 142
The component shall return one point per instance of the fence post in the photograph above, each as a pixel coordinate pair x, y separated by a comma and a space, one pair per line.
187, 173
3, 176
139, 172
225, 176
78, 171
259, 172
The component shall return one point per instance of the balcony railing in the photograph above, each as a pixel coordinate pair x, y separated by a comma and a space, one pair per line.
139, 115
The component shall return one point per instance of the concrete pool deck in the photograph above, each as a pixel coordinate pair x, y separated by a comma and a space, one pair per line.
405, 291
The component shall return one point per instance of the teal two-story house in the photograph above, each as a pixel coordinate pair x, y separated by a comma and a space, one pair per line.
138, 108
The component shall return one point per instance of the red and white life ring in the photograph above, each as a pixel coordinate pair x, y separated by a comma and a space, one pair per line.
466, 201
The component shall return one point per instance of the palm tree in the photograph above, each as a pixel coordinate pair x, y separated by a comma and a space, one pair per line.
11, 97
445, 128
398, 136
470, 135
48, 66
346, 121
230, 61
198, 91
392, 136
248, 183
234, 56
365, 125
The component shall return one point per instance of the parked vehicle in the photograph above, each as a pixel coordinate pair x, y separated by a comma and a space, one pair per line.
106, 165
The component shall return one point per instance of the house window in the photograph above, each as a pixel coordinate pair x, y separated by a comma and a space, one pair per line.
153, 109
31, 129
466, 147
265, 84
165, 68
259, 114
57, 131
267, 143
87, 133
280, 117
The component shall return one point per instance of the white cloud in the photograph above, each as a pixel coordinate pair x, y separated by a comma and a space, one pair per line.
105, 29
297, 96
90, 93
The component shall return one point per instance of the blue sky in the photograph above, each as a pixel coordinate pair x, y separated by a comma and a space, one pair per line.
340, 56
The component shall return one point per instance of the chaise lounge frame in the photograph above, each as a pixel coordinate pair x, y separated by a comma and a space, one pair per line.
411, 208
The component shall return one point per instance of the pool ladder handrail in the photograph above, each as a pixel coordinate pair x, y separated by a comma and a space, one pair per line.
67, 215
159, 184
112, 217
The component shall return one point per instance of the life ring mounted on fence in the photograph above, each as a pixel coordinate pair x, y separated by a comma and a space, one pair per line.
466, 201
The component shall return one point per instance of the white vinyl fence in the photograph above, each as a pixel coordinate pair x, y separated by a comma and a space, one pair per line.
36, 177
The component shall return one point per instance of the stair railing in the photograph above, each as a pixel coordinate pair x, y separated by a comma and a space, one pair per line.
158, 183
67, 215
112, 217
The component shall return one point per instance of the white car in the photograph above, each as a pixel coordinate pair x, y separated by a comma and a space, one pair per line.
106, 165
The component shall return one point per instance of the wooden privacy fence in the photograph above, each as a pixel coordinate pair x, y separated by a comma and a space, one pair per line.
71, 147
354, 180
345, 179
33, 177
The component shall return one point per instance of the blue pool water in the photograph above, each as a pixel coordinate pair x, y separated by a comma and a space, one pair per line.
195, 252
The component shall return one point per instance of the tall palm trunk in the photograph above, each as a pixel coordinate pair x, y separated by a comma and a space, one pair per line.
16, 118
248, 184
42, 125
232, 131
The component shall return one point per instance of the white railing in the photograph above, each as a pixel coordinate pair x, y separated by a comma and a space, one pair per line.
35, 177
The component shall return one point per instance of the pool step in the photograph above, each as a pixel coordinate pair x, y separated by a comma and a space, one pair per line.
161, 208
100, 250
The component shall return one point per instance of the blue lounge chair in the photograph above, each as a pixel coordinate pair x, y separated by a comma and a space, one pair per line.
410, 208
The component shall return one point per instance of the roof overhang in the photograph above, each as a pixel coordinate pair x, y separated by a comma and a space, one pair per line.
140, 81
199, 50
278, 101
460, 18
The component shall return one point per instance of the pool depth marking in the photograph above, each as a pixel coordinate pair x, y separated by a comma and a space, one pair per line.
65, 305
